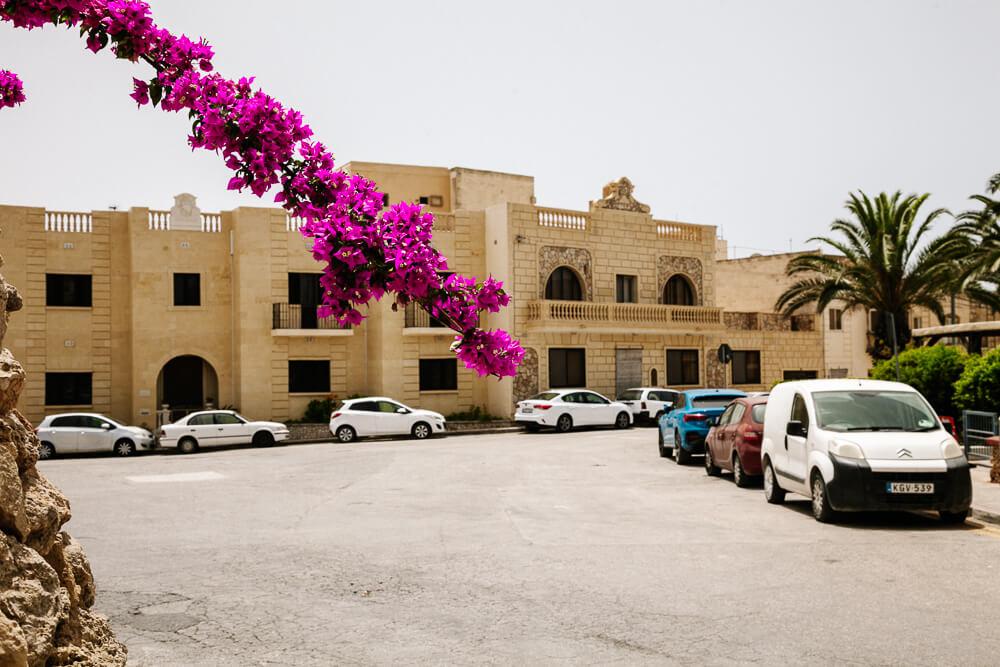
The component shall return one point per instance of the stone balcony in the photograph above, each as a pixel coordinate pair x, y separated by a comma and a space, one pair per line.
618, 317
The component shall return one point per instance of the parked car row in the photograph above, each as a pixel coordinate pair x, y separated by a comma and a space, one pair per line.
846, 445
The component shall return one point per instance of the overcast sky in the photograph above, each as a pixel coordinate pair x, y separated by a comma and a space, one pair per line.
756, 116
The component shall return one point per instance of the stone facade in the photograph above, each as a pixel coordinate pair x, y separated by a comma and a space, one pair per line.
46, 586
244, 332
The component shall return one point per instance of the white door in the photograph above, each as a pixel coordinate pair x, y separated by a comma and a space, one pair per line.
796, 449
231, 429
576, 406
363, 417
64, 432
203, 428
393, 419
601, 410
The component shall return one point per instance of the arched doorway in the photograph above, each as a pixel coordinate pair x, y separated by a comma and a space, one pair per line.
678, 291
563, 285
186, 384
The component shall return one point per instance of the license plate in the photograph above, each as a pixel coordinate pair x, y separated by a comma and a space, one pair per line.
527, 410
909, 487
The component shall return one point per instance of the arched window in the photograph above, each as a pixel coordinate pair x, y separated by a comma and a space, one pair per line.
678, 292
563, 285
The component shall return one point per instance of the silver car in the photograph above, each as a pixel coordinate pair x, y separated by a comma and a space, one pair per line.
79, 432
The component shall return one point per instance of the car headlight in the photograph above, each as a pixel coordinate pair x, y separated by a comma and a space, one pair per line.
846, 449
950, 449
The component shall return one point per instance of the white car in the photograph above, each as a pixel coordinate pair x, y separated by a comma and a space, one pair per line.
78, 432
378, 415
648, 403
219, 427
852, 445
562, 409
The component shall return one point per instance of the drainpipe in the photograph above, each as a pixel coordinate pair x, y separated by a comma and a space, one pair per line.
232, 321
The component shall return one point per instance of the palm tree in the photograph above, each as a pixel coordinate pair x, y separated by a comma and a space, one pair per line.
978, 237
881, 268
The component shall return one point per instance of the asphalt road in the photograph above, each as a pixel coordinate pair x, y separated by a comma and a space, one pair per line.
511, 549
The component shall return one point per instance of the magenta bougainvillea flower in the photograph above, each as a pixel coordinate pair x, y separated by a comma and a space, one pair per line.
367, 250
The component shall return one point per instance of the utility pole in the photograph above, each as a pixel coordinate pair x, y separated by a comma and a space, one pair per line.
895, 352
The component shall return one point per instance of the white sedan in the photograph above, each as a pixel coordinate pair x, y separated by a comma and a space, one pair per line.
219, 427
562, 409
378, 415
78, 432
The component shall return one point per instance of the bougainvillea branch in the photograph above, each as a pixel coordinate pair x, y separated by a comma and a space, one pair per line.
367, 250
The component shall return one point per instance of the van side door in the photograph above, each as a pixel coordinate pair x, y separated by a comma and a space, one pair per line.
796, 449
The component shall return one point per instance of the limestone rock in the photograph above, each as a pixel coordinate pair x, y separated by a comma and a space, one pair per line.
47, 510
13, 519
32, 597
13, 645
11, 381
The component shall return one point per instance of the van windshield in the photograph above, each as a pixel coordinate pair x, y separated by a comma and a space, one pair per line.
873, 411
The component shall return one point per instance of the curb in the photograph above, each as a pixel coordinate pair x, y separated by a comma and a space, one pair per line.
984, 516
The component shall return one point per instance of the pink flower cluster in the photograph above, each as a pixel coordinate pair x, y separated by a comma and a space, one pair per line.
11, 90
367, 249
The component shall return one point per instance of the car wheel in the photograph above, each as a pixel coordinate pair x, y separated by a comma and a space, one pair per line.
346, 434
46, 450
564, 423
622, 420
681, 455
656, 419
739, 474
421, 430
820, 502
664, 451
954, 517
711, 469
263, 439
124, 447
773, 493
187, 445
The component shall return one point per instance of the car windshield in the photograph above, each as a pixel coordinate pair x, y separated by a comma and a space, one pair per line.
873, 411
630, 395
713, 401
757, 413
544, 396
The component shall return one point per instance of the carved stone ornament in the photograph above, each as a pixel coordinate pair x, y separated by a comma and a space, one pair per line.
185, 214
618, 196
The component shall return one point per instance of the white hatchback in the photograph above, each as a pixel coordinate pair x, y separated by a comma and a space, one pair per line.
378, 415
78, 432
648, 403
562, 409
219, 427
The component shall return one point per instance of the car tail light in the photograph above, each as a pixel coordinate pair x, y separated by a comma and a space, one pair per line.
542, 407
751, 435
162, 433
695, 417
334, 415
36, 431
643, 404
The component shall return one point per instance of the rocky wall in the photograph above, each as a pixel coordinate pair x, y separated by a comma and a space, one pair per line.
46, 587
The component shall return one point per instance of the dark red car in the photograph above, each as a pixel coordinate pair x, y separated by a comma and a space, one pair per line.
733, 443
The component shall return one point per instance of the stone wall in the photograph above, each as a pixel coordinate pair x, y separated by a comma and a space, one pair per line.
46, 587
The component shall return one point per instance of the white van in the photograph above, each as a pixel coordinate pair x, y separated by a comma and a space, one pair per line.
854, 445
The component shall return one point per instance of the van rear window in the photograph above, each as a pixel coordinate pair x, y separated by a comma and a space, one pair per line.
714, 401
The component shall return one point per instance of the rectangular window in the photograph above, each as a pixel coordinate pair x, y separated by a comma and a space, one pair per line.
68, 389
438, 374
187, 289
682, 367
567, 367
805, 375
917, 323
836, 319
746, 367
304, 288
309, 376
625, 289
833, 373
63, 289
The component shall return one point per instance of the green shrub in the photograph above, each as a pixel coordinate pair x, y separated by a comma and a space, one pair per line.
476, 414
978, 388
932, 371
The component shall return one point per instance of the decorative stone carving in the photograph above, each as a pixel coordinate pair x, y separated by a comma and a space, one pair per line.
552, 257
526, 380
741, 321
617, 195
185, 214
670, 265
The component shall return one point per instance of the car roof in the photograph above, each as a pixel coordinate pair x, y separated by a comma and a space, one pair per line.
82, 414
370, 398
837, 384
651, 389
696, 393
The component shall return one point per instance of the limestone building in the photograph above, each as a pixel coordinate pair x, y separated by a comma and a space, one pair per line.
126, 311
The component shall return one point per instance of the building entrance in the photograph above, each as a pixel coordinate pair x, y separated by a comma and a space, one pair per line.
186, 384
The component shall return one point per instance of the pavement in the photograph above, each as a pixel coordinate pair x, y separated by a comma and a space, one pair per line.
985, 495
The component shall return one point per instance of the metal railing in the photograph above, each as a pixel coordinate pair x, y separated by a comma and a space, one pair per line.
415, 316
976, 427
292, 316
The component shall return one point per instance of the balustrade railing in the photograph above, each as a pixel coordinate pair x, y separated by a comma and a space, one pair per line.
676, 231
210, 222
296, 316
64, 221
553, 217
624, 314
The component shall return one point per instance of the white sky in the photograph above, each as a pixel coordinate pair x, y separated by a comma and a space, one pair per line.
758, 117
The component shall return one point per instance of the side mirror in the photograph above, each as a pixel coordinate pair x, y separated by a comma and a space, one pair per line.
796, 428
712, 421
402, 411
106, 426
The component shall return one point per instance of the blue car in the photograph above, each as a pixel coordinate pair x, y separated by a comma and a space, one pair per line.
682, 431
